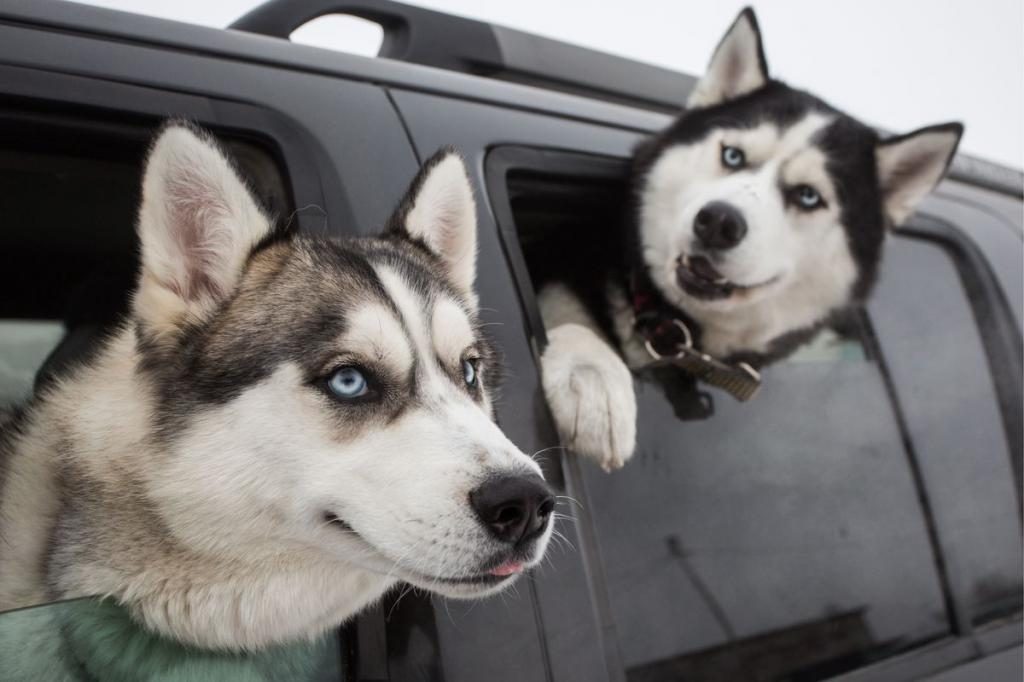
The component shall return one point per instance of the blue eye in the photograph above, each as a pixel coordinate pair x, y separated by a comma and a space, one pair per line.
807, 197
347, 383
469, 372
733, 157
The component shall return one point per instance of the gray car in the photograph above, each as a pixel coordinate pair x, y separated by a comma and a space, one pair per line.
859, 520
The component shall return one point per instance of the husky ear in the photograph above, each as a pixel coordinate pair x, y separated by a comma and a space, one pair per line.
909, 166
197, 225
439, 211
737, 67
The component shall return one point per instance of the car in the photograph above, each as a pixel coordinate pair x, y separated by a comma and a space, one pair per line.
860, 519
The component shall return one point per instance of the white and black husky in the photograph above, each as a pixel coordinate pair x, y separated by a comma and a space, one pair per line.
761, 213
282, 429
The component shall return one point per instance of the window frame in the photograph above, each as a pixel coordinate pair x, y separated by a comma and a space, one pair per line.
82, 102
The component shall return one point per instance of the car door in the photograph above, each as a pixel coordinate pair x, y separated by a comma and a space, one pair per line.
834, 522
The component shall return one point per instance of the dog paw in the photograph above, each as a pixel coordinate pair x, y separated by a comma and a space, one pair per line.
590, 392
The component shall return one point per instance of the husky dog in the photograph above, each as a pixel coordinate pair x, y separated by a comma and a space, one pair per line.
761, 213
283, 428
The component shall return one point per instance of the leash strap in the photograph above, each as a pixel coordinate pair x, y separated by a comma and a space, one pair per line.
669, 342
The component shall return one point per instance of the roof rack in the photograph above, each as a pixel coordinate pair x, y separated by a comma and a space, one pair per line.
454, 43
987, 174
423, 36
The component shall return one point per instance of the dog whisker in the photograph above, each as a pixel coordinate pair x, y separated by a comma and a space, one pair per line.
573, 500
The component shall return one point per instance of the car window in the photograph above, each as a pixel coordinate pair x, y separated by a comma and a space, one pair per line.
93, 639
834, 520
68, 251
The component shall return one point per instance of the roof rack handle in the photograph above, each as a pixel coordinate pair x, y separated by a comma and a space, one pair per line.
411, 34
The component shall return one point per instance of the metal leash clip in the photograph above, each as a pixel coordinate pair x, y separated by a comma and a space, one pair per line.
740, 380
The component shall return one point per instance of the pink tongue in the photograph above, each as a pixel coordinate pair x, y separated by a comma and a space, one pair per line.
507, 568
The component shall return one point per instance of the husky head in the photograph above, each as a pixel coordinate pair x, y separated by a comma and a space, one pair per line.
329, 399
763, 209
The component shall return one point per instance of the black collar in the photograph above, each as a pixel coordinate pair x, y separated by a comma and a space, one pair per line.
662, 326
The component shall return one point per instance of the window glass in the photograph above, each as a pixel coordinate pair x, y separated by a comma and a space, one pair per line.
24, 345
830, 345
783, 535
90, 639
933, 346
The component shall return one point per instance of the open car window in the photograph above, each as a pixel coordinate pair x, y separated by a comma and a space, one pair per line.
69, 191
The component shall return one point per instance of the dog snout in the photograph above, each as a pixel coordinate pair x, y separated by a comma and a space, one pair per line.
719, 226
514, 509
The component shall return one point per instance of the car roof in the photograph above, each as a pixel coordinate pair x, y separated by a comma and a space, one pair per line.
280, 52
254, 48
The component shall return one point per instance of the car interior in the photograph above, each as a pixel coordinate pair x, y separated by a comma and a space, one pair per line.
73, 265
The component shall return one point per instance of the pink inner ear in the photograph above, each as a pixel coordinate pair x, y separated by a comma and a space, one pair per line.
733, 67
914, 164
920, 163
197, 216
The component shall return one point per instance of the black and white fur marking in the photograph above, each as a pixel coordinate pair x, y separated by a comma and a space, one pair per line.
761, 213
208, 470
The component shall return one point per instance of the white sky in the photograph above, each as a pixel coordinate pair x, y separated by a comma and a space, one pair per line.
899, 64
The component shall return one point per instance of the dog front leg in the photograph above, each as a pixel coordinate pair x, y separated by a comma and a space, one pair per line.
588, 386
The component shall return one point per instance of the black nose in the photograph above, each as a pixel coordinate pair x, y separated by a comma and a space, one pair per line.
514, 509
719, 226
